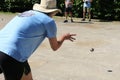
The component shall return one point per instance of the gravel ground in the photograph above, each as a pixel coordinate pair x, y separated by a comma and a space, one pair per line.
94, 55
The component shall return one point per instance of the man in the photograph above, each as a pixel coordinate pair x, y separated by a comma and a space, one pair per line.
22, 36
86, 9
68, 10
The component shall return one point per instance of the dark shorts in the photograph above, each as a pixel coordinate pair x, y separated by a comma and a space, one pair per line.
11, 68
69, 9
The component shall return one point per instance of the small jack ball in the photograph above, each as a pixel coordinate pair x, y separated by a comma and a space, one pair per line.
92, 49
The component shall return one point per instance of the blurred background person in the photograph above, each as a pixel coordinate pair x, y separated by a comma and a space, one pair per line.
68, 10
87, 9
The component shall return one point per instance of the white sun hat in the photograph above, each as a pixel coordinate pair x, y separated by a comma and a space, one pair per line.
46, 6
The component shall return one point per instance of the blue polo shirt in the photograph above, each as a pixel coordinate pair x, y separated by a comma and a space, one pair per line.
24, 33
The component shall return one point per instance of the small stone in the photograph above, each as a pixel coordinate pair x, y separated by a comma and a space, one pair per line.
109, 70
92, 49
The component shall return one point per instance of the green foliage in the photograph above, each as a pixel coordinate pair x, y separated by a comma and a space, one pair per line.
17, 5
77, 8
101, 9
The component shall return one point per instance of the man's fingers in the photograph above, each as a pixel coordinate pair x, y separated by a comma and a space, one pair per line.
72, 39
72, 34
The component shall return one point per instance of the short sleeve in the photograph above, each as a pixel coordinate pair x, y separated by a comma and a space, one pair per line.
51, 29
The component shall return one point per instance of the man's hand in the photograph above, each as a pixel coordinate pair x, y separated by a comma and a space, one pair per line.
55, 44
69, 36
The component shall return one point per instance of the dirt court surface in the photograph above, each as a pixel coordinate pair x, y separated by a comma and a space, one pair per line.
75, 60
